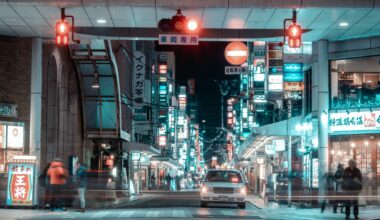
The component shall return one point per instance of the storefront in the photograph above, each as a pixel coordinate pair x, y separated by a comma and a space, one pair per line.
354, 118
356, 135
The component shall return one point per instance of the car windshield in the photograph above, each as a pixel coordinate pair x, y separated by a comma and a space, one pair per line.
223, 176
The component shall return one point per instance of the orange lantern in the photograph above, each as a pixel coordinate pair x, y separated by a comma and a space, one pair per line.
236, 53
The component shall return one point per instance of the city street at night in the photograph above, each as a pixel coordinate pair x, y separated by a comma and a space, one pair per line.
190, 109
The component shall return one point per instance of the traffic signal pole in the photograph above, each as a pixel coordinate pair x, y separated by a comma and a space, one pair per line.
289, 153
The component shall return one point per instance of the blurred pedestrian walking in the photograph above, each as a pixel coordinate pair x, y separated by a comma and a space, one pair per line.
328, 184
43, 181
352, 185
57, 175
81, 182
339, 188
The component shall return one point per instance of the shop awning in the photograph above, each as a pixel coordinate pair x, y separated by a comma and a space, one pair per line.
264, 134
167, 161
140, 147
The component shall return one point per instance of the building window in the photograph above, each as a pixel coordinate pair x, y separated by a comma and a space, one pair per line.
355, 83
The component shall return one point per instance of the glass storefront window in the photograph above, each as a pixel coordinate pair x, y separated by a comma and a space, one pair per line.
355, 83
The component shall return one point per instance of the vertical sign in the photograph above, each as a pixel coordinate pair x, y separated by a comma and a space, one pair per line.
20, 184
138, 78
315, 172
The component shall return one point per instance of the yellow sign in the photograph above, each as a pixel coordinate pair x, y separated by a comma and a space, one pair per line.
293, 86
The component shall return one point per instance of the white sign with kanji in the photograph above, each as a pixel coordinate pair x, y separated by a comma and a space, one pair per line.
236, 70
178, 39
138, 78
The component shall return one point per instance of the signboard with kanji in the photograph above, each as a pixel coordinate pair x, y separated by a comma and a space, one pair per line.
138, 78
360, 122
236, 70
20, 184
293, 86
178, 39
8, 110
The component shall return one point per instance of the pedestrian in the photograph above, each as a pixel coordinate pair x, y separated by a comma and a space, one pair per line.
352, 185
339, 188
43, 181
178, 182
57, 175
81, 182
168, 179
152, 182
328, 185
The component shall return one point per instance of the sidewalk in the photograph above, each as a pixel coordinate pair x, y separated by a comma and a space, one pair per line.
276, 211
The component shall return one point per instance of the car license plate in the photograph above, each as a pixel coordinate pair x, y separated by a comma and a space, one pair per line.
224, 198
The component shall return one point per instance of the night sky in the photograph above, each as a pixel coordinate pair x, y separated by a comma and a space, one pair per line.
205, 63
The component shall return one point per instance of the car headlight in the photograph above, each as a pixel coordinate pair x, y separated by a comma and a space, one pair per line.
241, 190
206, 189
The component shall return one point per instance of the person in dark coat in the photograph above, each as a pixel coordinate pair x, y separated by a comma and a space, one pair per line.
352, 185
43, 181
81, 181
338, 187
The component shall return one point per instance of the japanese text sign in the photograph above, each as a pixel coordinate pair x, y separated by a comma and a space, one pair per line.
354, 121
235, 70
20, 184
177, 39
138, 78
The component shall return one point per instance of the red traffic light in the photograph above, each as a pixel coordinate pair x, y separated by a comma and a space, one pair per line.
192, 25
179, 24
294, 33
62, 30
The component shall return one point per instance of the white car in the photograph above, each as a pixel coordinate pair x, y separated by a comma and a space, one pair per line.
223, 186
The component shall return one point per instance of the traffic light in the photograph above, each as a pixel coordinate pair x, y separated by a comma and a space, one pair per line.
294, 33
62, 31
179, 24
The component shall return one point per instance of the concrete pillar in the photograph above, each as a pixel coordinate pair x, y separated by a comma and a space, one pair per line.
35, 107
323, 105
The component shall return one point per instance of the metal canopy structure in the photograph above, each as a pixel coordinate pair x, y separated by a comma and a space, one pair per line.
101, 106
324, 17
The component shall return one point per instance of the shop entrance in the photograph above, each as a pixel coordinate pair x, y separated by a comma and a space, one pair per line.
365, 150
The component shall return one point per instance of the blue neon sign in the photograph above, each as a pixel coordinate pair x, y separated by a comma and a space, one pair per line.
293, 77
292, 67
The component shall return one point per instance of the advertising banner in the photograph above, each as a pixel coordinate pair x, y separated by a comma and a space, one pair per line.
138, 78
20, 184
364, 121
293, 86
270, 149
279, 145
293, 72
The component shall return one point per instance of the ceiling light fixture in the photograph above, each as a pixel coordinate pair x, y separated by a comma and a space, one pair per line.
95, 84
343, 24
101, 21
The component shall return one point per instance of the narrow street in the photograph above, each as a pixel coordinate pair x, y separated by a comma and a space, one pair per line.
186, 205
